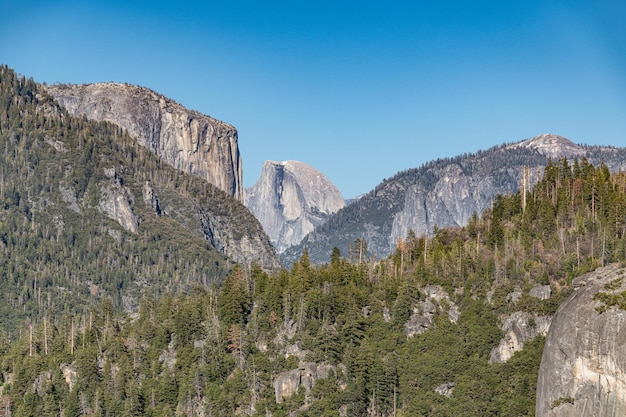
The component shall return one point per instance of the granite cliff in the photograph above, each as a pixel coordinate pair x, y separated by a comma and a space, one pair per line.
583, 367
290, 199
187, 140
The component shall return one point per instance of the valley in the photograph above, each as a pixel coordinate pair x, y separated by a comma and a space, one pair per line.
136, 281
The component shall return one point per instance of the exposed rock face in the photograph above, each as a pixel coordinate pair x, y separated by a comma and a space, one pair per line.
42, 382
451, 202
151, 200
225, 223
459, 192
422, 316
70, 374
168, 357
583, 367
446, 389
541, 292
290, 199
519, 328
185, 139
443, 193
286, 384
116, 202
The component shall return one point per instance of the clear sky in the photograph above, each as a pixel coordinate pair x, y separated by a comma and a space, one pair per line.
358, 89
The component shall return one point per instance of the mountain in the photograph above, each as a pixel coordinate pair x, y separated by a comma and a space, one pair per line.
87, 214
443, 193
185, 139
290, 199
583, 367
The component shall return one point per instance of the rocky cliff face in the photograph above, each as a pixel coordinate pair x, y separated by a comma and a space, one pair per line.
189, 141
583, 367
443, 193
185, 139
290, 199
519, 328
286, 383
461, 189
451, 202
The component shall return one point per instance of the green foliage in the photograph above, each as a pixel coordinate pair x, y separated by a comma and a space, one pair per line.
561, 401
191, 345
60, 252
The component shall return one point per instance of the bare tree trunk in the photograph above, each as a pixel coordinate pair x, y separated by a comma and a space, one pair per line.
45, 335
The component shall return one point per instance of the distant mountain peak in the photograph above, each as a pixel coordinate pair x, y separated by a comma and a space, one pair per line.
551, 145
290, 199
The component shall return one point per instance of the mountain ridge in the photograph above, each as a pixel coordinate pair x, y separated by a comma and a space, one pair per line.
551, 145
441, 193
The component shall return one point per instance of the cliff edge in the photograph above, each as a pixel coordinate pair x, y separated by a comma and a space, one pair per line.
187, 140
583, 367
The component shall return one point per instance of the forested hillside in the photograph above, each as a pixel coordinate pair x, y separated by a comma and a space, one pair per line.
87, 214
410, 335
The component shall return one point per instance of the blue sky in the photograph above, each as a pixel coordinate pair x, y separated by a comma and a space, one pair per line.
358, 89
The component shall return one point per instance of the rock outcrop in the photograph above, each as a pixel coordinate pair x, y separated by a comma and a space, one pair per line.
446, 389
287, 383
583, 367
116, 202
189, 141
519, 327
290, 199
421, 318
69, 374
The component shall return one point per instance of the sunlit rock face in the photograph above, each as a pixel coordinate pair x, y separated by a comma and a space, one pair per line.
583, 367
189, 141
290, 199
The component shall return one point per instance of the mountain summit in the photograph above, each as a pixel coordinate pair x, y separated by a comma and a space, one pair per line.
290, 199
552, 146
